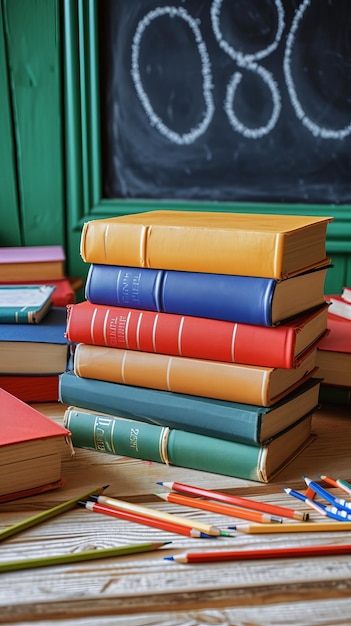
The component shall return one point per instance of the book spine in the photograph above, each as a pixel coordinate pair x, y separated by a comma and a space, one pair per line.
176, 335
232, 298
178, 247
116, 435
204, 416
223, 381
13, 315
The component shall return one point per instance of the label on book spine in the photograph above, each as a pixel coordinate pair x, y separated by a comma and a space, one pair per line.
120, 437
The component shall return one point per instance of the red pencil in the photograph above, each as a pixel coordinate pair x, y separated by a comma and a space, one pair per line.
217, 507
244, 502
248, 555
142, 519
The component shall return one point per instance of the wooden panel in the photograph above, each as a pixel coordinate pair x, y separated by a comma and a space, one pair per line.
9, 210
33, 53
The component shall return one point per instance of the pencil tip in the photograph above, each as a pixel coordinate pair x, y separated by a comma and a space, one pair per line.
232, 527
159, 482
168, 558
105, 487
225, 533
81, 503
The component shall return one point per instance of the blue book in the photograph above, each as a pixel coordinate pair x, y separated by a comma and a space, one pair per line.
246, 299
35, 348
233, 421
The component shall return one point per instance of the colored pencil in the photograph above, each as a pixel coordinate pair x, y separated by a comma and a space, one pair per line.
217, 507
156, 514
246, 503
74, 557
339, 482
320, 508
48, 514
299, 527
248, 555
142, 519
337, 502
339, 513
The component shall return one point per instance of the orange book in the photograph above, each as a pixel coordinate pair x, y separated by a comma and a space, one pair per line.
272, 246
20, 263
31, 446
213, 379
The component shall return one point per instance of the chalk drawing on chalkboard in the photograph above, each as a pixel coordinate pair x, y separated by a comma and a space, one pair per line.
154, 119
315, 129
223, 100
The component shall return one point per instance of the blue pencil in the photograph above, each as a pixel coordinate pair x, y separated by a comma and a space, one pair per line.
337, 502
320, 508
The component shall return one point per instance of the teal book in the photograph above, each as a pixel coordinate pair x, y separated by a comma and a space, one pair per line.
25, 304
161, 444
232, 421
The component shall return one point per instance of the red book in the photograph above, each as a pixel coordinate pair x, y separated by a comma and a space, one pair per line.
31, 446
334, 353
29, 388
283, 346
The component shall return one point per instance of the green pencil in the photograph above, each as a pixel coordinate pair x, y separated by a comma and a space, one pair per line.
74, 557
48, 514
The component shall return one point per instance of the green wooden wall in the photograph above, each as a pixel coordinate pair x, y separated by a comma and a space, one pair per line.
50, 139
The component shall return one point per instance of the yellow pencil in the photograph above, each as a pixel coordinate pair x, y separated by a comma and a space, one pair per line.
299, 527
156, 514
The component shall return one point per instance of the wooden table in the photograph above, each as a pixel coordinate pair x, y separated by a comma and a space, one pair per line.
146, 590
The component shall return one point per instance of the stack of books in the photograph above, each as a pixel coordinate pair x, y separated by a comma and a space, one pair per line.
34, 293
197, 342
334, 352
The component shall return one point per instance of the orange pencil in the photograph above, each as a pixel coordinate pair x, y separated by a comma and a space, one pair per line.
339, 482
217, 507
246, 503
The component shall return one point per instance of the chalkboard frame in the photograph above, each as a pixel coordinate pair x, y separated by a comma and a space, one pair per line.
83, 165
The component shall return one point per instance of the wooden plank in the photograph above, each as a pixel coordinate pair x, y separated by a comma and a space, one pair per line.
34, 58
9, 210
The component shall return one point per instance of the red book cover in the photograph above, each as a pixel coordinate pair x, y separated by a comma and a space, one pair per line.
283, 346
21, 422
339, 337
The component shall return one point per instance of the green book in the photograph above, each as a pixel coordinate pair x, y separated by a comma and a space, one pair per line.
24, 304
120, 436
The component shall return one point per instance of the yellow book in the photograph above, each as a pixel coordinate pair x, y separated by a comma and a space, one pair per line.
270, 246
234, 382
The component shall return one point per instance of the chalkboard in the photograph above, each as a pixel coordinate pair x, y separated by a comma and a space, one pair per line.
226, 100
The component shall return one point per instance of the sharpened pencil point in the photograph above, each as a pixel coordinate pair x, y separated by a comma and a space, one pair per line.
232, 527
168, 558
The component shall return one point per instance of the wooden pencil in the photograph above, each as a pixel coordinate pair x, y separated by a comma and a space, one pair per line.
246, 503
217, 507
249, 555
